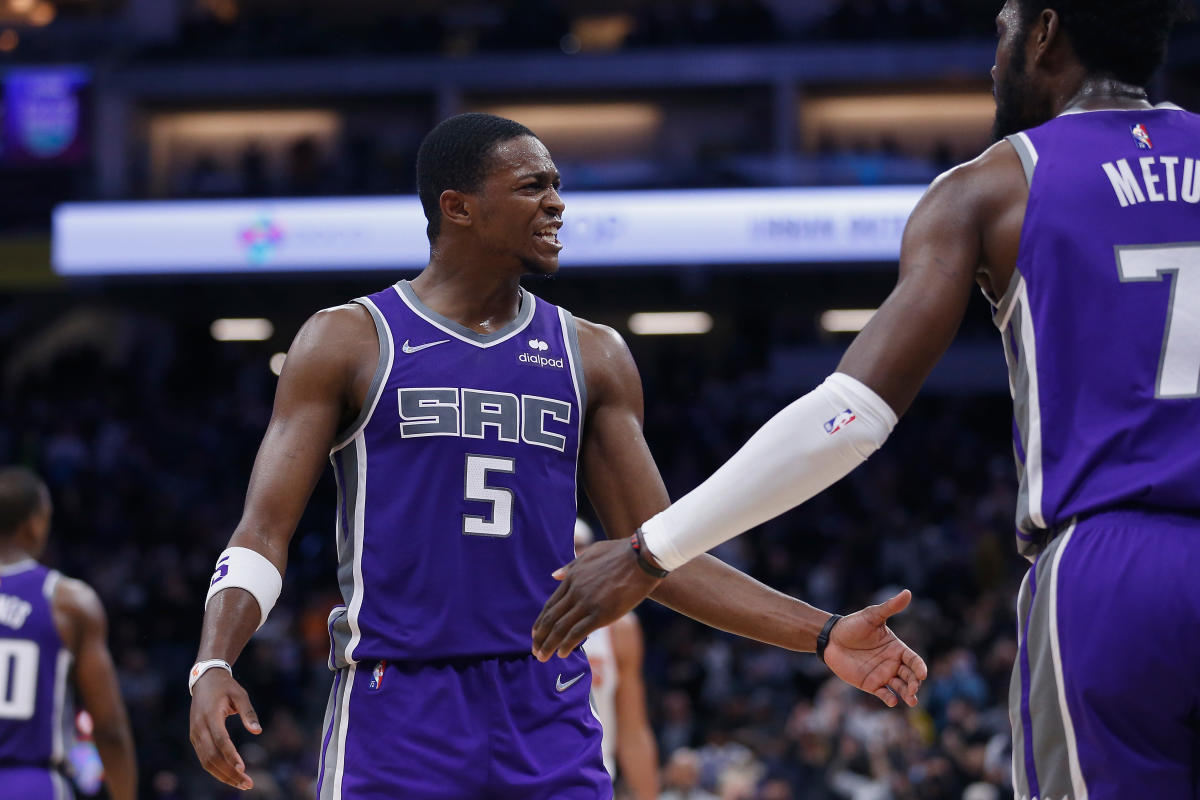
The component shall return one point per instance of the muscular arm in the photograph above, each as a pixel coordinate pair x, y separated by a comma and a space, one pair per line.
320, 390
625, 488
967, 225
637, 752
81, 618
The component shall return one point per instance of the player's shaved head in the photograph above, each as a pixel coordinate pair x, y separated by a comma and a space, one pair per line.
456, 155
1125, 40
22, 494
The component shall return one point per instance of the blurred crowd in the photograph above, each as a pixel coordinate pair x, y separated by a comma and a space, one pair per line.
261, 29
146, 436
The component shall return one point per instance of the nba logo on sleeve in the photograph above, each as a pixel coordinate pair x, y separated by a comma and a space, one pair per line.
1141, 136
840, 421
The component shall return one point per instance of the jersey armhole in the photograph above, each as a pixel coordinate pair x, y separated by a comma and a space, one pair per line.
382, 369
1026, 152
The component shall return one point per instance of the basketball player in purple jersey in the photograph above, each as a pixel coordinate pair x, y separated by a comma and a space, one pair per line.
53, 635
1082, 226
458, 409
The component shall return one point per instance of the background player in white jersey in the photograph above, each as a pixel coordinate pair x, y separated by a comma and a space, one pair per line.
615, 654
53, 640
1082, 227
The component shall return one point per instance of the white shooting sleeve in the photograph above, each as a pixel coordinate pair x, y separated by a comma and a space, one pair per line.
802, 450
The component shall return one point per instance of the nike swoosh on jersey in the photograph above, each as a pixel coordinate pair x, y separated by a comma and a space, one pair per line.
559, 686
408, 348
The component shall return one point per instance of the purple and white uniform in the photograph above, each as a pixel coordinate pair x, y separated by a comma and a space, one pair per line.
1101, 328
457, 500
36, 718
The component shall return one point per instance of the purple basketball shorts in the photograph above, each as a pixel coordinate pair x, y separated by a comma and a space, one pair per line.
495, 729
1105, 697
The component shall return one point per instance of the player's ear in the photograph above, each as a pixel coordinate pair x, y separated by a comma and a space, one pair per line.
456, 207
1045, 34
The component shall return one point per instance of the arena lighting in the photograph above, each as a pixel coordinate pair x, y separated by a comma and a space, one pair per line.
846, 320
670, 323
277, 363
242, 330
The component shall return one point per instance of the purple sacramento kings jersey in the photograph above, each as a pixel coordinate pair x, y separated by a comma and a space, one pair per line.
1101, 321
457, 495
36, 718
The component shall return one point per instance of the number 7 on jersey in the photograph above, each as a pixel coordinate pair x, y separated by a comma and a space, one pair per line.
1179, 365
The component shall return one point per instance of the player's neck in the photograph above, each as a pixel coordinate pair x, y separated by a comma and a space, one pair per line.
1096, 94
482, 299
12, 553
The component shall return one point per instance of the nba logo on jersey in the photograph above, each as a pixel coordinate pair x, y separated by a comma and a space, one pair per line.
840, 421
1141, 136
377, 675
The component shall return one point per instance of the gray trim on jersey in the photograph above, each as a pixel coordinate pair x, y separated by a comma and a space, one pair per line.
382, 368
17, 566
1052, 730
329, 757
340, 629
62, 787
1018, 376
50, 584
1004, 307
62, 723
524, 315
1026, 152
1020, 778
572, 331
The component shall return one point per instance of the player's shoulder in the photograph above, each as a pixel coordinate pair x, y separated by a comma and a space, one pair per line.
608, 366
982, 186
335, 335
603, 339
78, 601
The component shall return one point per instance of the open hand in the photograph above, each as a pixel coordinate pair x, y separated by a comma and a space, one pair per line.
865, 653
215, 697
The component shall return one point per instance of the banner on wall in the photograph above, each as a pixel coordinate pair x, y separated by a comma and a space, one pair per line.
45, 116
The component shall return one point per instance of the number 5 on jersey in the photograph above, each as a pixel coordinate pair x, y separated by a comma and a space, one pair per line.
500, 524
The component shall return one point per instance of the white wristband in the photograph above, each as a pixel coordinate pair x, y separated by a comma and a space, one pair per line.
799, 452
201, 667
247, 569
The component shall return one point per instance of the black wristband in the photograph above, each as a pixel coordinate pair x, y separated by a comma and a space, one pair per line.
635, 542
823, 636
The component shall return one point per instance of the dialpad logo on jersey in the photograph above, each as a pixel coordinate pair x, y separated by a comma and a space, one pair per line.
377, 675
1141, 136
536, 358
840, 421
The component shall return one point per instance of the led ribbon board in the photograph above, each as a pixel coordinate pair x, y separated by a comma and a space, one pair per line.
601, 229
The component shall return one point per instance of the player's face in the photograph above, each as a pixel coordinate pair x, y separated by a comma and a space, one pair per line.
520, 211
1017, 102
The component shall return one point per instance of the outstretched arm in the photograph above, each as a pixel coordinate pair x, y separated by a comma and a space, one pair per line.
624, 486
319, 389
96, 681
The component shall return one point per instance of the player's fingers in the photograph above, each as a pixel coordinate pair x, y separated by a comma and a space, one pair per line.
241, 702
561, 572
214, 762
916, 664
886, 696
895, 604
900, 689
557, 636
575, 636
546, 620
910, 679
